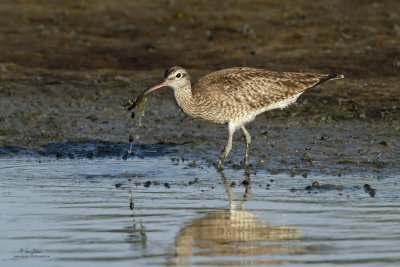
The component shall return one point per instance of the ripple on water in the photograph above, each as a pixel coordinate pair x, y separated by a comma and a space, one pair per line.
72, 211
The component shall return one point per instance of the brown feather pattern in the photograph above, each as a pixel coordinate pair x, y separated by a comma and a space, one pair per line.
232, 95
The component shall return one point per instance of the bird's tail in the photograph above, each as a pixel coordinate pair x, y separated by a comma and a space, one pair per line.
334, 76
327, 77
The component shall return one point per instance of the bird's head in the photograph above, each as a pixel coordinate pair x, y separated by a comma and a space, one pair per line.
176, 77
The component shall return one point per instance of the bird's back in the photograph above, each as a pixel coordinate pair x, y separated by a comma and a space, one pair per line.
239, 92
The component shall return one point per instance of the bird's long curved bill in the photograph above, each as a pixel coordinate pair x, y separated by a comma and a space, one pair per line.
151, 89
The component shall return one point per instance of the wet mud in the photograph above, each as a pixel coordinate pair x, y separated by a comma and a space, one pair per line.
89, 150
66, 67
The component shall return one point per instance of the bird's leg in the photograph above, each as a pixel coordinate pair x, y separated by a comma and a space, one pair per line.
247, 191
228, 188
248, 143
228, 147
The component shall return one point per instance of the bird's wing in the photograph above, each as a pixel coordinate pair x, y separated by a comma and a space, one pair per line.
257, 87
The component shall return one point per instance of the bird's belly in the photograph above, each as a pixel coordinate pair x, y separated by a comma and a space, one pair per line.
223, 116
213, 117
234, 112
283, 103
239, 121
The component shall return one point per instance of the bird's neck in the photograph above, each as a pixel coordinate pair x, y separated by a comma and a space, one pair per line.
184, 99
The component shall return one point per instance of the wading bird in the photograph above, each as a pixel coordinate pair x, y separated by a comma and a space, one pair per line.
235, 96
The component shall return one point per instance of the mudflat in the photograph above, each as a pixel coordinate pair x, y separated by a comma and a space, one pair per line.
66, 67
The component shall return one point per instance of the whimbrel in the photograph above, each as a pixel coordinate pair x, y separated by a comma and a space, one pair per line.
235, 96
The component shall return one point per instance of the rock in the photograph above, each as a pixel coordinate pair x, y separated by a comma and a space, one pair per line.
368, 189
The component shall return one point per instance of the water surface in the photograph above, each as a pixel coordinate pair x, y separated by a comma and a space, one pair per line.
77, 212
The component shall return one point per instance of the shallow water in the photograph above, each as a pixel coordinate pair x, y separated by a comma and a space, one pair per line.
77, 211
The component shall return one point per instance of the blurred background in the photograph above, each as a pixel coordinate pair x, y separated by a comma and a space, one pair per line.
66, 65
359, 38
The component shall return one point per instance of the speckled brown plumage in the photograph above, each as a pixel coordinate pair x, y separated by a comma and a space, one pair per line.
236, 96
233, 95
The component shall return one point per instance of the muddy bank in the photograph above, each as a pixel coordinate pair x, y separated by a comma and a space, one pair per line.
358, 38
65, 68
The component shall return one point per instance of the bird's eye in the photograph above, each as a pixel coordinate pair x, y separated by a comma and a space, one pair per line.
178, 75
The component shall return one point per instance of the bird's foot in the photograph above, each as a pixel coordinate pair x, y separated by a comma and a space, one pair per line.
245, 162
218, 165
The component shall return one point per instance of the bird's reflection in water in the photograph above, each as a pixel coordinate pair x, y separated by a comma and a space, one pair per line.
234, 236
137, 236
